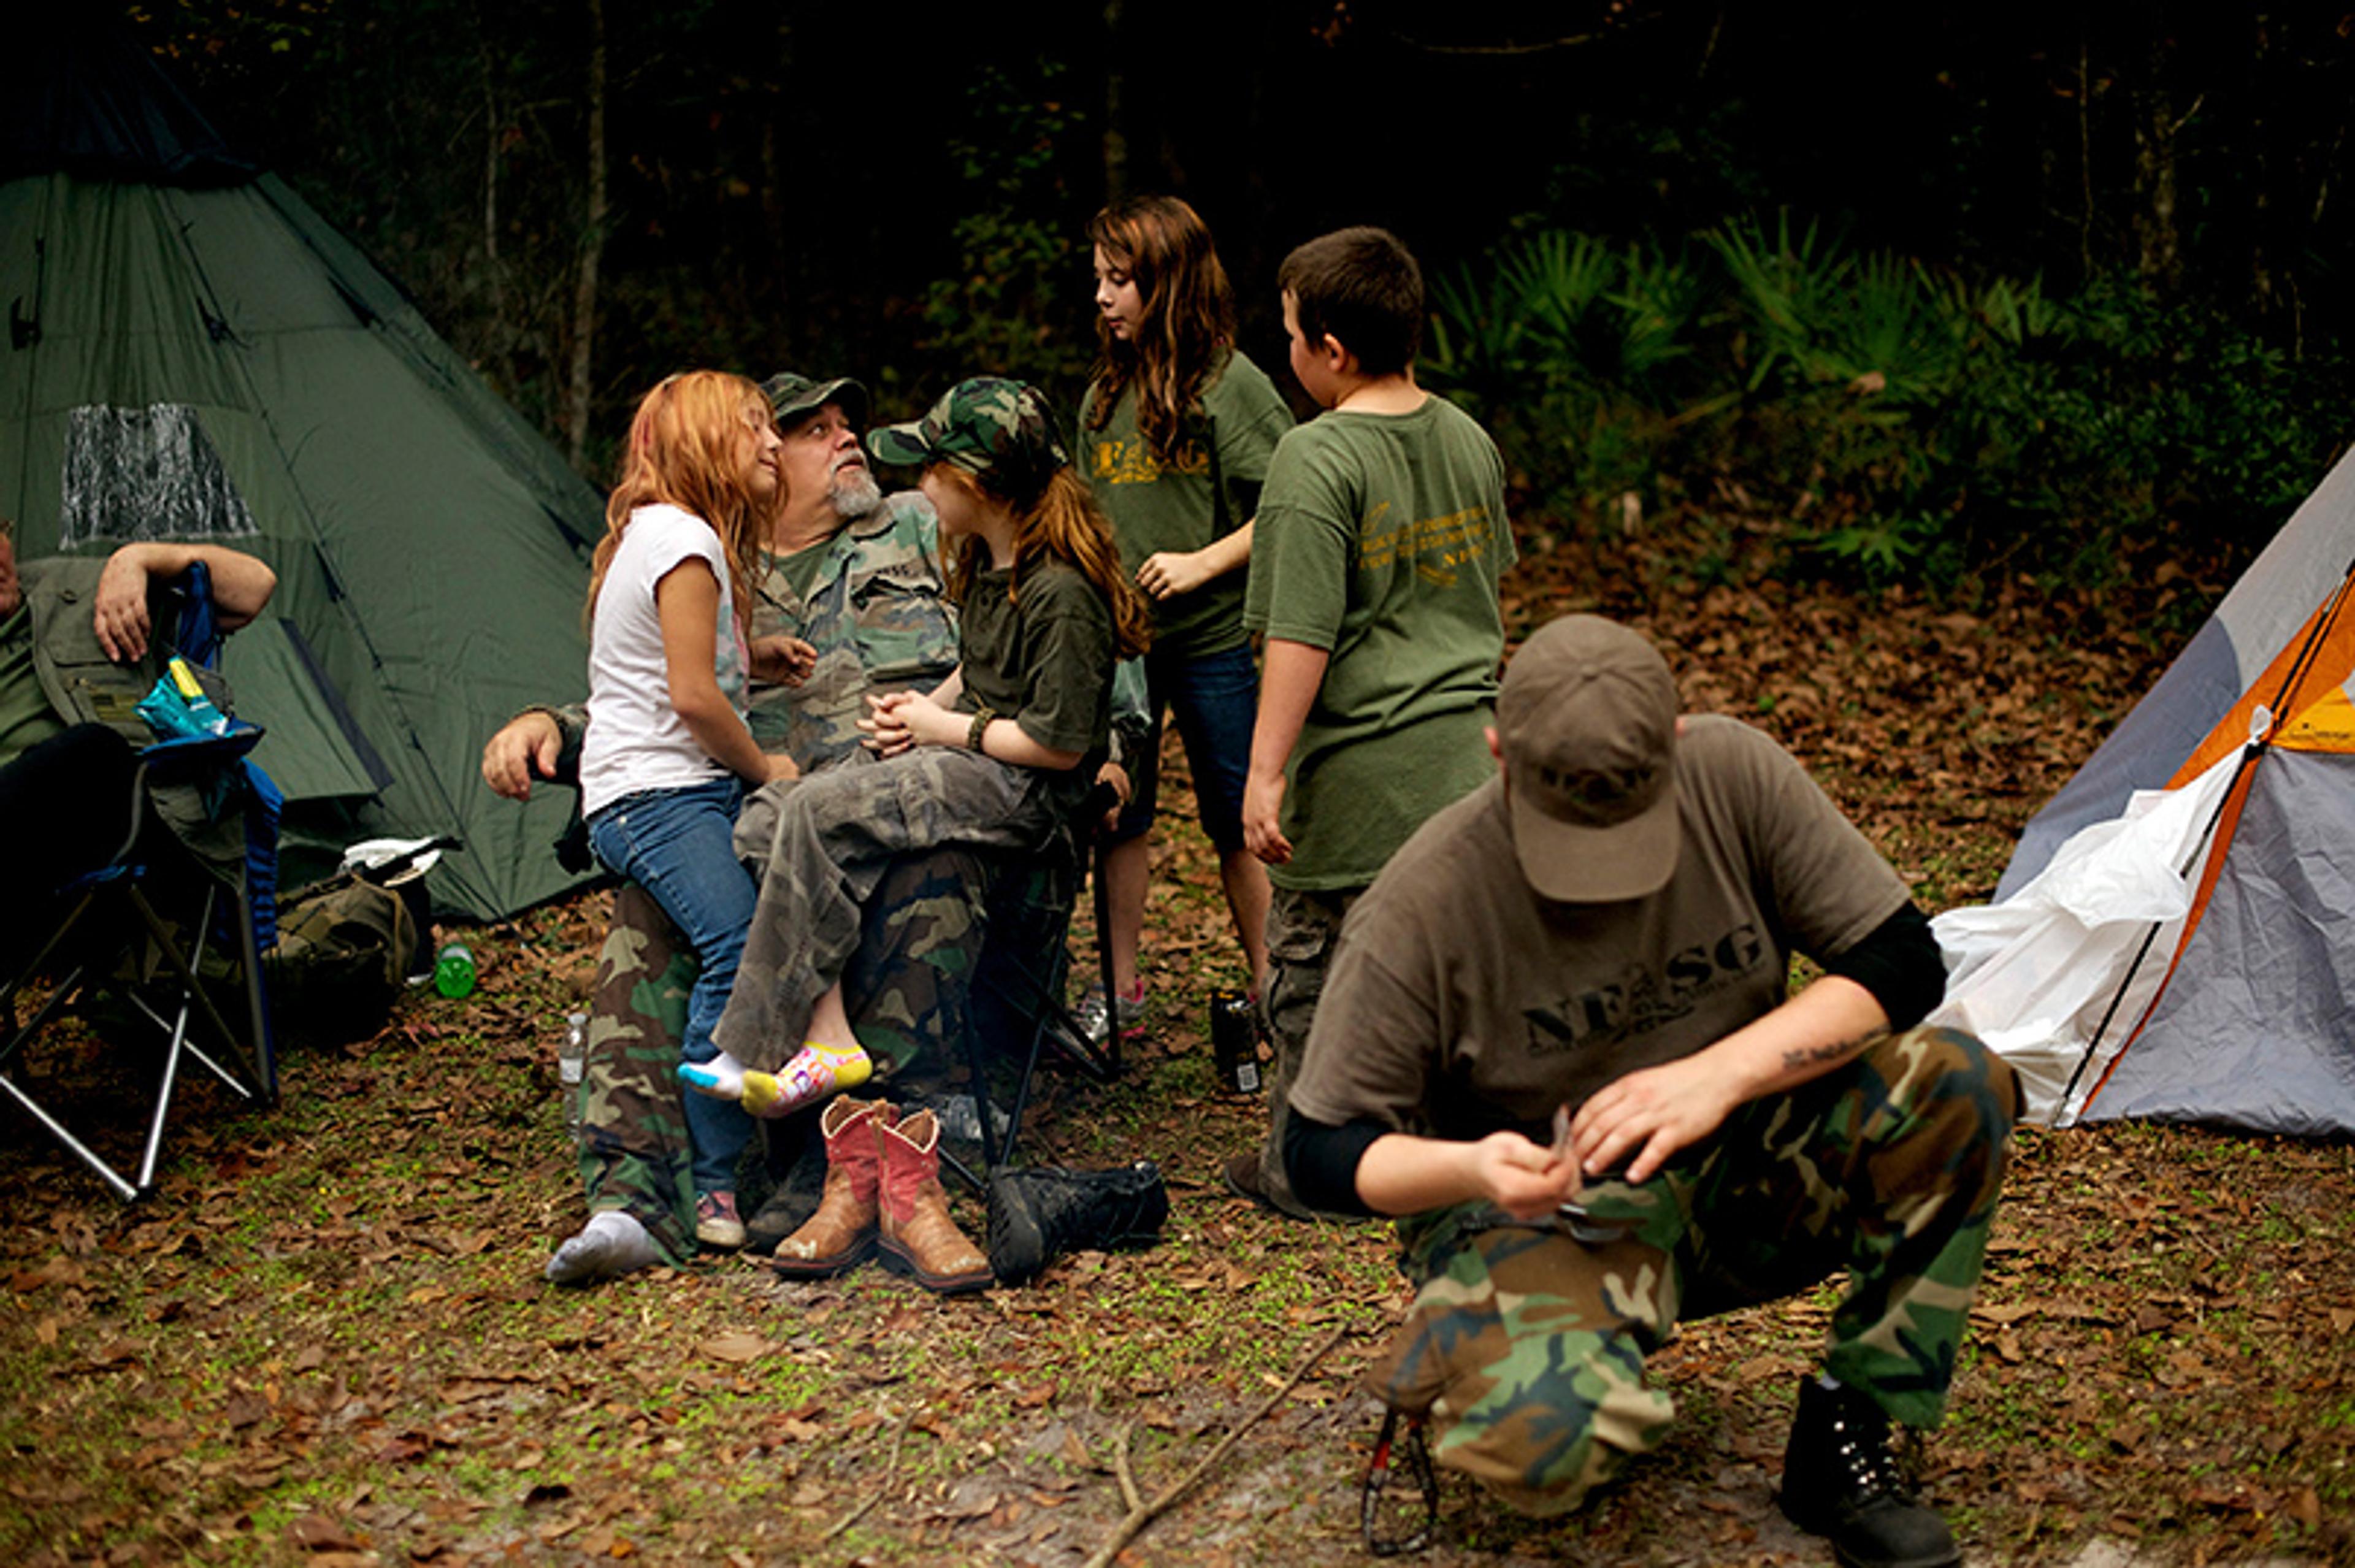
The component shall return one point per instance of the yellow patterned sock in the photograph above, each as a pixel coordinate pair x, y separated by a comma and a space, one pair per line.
816, 1071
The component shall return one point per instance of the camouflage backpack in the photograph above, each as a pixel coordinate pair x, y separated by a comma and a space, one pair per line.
345, 948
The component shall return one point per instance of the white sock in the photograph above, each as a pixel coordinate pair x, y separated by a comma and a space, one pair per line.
722, 1077
613, 1243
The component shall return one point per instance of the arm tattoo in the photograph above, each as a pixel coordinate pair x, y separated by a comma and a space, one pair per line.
1833, 1051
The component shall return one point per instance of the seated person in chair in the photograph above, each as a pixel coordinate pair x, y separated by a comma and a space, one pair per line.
81, 640
853, 574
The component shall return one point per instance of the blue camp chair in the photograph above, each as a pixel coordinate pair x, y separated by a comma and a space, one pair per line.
144, 922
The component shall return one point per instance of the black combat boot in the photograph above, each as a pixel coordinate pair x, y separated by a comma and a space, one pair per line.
791, 1202
1036, 1216
1840, 1480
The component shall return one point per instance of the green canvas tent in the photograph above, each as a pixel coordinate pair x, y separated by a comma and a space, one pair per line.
194, 353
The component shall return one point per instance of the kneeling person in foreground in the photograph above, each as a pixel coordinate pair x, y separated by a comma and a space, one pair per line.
1559, 1044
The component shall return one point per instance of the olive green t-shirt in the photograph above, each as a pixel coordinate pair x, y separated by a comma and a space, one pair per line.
801, 568
1380, 539
26, 717
1460, 1003
1042, 658
1156, 506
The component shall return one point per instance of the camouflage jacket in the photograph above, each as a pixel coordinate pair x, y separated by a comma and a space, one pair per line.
877, 615
81, 684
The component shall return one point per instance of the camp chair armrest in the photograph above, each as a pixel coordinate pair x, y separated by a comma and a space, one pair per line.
181, 754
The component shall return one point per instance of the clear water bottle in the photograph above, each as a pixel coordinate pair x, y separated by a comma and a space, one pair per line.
454, 970
572, 1067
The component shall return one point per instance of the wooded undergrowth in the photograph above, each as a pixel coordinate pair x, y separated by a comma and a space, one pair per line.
1911, 422
1949, 292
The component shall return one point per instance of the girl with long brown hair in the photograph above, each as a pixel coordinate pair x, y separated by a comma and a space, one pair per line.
1176, 435
668, 755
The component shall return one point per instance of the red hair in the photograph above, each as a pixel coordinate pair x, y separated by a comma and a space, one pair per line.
1062, 523
686, 449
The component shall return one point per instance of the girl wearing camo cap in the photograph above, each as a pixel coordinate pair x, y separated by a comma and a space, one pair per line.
1002, 753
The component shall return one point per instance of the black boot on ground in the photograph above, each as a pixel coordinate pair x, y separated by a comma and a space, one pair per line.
1037, 1216
789, 1207
1840, 1481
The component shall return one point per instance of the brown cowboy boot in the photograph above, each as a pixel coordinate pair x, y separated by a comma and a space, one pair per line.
919, 1238
842, 1232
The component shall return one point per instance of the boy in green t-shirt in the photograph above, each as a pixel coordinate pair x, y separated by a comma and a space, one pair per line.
1381, 536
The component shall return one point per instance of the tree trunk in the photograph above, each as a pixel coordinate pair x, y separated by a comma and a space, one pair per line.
501, 334
2260, 215
1115, 114
592, 245
2158, 240
2085, 159
778, 280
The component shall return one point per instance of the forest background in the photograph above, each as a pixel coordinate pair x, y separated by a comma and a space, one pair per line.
1930, 293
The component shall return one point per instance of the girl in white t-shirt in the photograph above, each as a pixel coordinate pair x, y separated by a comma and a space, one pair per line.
668, 756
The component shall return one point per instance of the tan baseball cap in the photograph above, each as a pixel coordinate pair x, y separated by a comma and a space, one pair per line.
1587, 721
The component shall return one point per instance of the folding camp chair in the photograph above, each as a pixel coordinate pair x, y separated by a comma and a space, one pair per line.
1020, 979
146, 923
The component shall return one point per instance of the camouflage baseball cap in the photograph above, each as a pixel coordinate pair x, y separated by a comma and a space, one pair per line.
793, 397
994, 429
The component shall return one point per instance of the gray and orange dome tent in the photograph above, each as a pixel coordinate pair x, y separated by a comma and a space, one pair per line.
2230, 998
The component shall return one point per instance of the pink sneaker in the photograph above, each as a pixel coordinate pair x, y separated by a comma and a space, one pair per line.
716, 1223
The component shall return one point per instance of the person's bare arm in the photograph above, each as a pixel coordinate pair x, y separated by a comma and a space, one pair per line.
688, 599
780, 660
1168, 574
1403, 1174
1646, 1116
899, 719
525, 747
1649, 1115
241, 587
1293, 675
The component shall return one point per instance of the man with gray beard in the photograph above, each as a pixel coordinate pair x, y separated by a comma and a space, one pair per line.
852, 576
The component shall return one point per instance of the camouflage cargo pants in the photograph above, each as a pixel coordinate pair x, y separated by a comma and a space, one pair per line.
823, 844
635, 1154
1302, 927
1526, 1345
908, 992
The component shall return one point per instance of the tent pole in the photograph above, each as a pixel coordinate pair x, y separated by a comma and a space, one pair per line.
33, 346
2249, 756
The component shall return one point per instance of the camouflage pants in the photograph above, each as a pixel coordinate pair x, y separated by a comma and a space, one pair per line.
908, 992
821, 846
1302, 927
1526, 1345
635, 1154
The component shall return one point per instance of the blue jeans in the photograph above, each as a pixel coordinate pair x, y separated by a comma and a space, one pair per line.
676, 844
1215, 700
